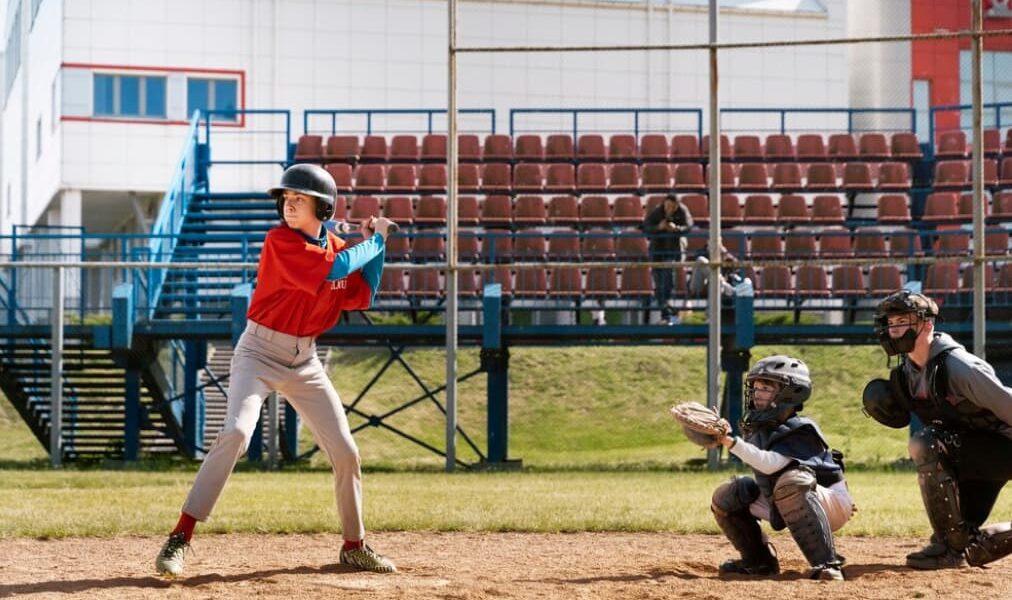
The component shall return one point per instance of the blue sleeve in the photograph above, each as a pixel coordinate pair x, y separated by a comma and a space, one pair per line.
372, 273
348, 261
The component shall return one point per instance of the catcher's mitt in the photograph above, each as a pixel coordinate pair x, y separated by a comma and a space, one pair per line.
702, 425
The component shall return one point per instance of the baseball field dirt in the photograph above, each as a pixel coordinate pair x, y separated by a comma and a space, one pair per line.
471, 565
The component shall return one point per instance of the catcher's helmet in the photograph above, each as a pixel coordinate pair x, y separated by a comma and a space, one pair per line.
795, 387
902, 302
311, 180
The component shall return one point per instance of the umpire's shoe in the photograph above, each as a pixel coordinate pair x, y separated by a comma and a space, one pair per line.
936, 555
365, 558
171, 559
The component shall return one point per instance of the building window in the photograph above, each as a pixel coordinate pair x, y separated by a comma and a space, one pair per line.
129, 96
212, 94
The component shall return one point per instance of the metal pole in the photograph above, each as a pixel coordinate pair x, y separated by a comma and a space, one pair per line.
451, 242
56, 373
978, 191
272, 427
713, 297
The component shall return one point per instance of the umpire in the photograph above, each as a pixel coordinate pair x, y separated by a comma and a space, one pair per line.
666, 226
964, 453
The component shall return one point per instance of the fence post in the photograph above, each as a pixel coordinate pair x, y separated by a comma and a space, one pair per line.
56, 374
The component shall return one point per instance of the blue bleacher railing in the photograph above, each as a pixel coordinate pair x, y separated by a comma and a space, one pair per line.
848, 113
228, 125
369, 114
636, 114
995, 109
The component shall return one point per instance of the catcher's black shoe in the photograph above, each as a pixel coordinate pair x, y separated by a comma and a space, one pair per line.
755, 568
934, 556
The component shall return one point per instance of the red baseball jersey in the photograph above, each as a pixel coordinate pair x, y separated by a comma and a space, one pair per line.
292, 293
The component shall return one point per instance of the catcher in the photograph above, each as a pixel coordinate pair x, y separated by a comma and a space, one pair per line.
798, 482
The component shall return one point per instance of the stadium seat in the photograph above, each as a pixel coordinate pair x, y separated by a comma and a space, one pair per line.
392, 284
657, 177
528, 178
779, 147
597, 245
467, 246
401, 179
726, 152
529, 246
759, 210
342, 174
590, 147
342, 148
397, 247
431, 210
787, 178
559, 148
952, 242
992, 143
468, 179
793, 210
529, 210
753, 178
689, 177
432, 179
800, 244
636, 283
363, 207
940, 207
563, 210
990, 173
747, 147
425, 284
996, 242
698, 205
495, 178
857, 177
624, 178
870, 242
766, 244
309, 148
842, 147
595, 210
989, 278
964, 212
340, 208
399, 210
654, 148
564, 246
502, 276
469, 148
369, 179
812, 282
628, 210
592, 178
622, 148
602, 283
497, 246
434, 149
811, 148
1005, 179
873, 146
566, 282
468, 211
496, 211
775, 282
528, 148
952, 175
404, 148
848, 281
904, 146
1002, 207
941, 279
498, 148
728, 175
827, 209
893, 209
685, 148
467, 283
730, 210
374, 149
560, 179
821, 177
904, 242
1004, 284
894, 177
631, 245
884, 280
951, 144
834, 242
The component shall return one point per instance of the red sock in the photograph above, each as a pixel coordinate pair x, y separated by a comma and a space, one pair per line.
353, 545
185, 525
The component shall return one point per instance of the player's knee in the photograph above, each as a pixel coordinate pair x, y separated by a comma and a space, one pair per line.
924, 446
793, 484
346, 459
734, 495
234, 439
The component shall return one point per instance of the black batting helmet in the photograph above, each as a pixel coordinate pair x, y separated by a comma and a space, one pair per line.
311, 180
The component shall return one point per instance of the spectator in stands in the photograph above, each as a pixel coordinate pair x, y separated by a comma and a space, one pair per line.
306, 277
701, 276
963, 455
666, 227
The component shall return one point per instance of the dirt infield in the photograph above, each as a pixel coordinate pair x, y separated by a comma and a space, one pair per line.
470, 565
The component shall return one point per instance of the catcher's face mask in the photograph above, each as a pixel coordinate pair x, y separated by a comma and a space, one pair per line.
901, 318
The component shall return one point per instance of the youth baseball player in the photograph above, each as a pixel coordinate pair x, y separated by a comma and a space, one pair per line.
305, 278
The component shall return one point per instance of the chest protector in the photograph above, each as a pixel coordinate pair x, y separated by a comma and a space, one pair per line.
940, 406
798, 438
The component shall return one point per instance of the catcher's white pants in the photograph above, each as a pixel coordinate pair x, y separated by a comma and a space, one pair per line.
835, 500
266, 360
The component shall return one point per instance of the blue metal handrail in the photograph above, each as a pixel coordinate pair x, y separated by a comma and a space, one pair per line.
998, 106
850, 112
208, 117
370, 112
635, 112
